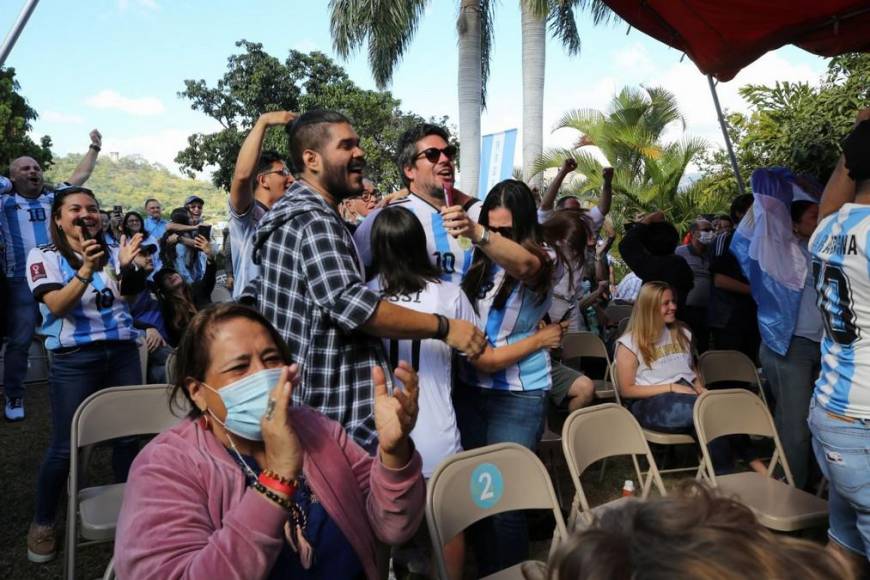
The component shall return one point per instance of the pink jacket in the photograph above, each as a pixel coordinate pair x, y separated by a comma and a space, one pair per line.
188, 514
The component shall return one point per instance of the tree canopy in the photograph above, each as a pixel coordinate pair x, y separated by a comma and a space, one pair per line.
256, 82
16, 117
795, 125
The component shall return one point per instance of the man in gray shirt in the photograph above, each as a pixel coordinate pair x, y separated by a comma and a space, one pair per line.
697, 255
259, 180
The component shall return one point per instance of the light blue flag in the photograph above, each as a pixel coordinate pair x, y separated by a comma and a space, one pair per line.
770, 257
496, 159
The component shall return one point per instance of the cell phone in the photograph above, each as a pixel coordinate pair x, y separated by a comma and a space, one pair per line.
567, 314
204, 231
118, 210
80, 223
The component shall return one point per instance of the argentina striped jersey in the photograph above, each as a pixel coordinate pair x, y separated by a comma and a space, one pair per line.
24, 223
100, 314
841, 273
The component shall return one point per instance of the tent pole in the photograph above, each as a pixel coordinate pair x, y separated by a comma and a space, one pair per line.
724, 127
12, 37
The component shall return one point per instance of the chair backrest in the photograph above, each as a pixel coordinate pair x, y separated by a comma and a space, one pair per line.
622, 327
476, 484
123, 412
614, 380
602, 431
735, 412
170, 368
580, 344
728, 365
617, 312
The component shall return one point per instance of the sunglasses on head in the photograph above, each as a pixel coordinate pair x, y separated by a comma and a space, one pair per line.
433, 154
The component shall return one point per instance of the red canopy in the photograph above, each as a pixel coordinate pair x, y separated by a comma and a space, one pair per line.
723, 36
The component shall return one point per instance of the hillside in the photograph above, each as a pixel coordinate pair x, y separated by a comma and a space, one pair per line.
129, 181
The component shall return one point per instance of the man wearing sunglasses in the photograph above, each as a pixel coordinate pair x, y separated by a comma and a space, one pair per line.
426, 166
259, 180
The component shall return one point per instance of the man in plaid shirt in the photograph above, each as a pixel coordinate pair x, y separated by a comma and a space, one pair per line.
312, 282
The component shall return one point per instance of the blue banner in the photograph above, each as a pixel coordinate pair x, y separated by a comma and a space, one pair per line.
496, 159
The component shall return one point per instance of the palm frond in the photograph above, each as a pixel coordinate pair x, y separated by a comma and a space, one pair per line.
579, 119
487, 40
563, 25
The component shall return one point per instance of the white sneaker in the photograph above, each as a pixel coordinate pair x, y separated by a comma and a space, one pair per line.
15, 409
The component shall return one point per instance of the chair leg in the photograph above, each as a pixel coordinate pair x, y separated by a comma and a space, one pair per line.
603, 470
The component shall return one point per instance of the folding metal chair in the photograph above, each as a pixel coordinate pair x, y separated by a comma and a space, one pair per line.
476, 484
731, 366
777, 505
92, 513
577, 345
599, 432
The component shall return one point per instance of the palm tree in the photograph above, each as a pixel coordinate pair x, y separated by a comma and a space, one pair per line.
560, 15
648, 172
388, 26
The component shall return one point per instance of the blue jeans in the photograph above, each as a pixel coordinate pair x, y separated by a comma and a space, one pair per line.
74, 376
843, 451
22, 313
487, 416
791, 379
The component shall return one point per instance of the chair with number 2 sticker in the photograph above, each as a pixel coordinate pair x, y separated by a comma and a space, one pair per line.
476, 484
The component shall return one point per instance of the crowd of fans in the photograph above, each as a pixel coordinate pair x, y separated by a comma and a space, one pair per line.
370, 337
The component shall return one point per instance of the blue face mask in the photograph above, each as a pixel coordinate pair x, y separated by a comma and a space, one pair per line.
245, 401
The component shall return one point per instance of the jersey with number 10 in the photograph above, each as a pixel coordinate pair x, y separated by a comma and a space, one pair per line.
24, 223
841, 271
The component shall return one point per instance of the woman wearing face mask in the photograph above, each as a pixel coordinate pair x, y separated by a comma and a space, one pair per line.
251, 486
90, 334
792, 375
697, 255
510, 286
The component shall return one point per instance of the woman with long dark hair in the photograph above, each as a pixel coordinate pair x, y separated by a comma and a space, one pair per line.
510, 283
89, 332
404, 274
181, 250
180, 301
133, 224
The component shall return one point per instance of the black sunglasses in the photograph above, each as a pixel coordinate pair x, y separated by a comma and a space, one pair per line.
433, 154
505, 232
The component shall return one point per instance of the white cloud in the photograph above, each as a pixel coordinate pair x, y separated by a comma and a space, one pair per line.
142, 106
633, 58
61, 118
147, 4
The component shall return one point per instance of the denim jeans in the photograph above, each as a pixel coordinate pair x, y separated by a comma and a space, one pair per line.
22, 313
74, 376
842, 449
791, 379
487, 416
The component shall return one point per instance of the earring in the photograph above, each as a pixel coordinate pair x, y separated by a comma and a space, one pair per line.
204, 421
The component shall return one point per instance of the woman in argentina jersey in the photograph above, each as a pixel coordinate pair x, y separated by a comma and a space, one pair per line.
404, 274
90, 335
510, 286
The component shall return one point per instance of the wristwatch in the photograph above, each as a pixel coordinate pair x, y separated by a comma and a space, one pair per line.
484, 239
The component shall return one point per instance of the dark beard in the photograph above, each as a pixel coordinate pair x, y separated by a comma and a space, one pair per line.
335, 181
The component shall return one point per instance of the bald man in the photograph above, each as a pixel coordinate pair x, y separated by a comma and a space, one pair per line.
25, 213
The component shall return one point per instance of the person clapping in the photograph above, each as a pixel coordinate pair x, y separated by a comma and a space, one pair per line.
252, 487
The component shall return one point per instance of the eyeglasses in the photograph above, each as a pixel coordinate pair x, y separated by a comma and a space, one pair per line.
371, 196
505, 232
283, 172
433, 154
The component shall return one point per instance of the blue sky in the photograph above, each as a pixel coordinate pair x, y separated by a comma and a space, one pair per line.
119, 64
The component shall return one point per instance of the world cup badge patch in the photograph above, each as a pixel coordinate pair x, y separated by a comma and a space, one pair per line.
37, 272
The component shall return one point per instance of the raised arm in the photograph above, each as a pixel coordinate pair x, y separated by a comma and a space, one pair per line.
517, 261
244, 175
89, 161
606, 191
549, 198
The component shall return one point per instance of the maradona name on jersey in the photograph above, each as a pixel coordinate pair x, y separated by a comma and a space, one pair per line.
836, 244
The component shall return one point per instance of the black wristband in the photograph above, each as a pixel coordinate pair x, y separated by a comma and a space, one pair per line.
94, 147
443, 327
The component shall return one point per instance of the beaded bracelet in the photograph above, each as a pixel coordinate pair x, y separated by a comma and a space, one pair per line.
282, 479
283, 502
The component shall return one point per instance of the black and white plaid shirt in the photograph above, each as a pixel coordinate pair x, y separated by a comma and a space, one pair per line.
312, 289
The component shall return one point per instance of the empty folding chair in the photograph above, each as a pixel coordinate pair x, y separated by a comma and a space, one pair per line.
778, 505
476, 484
617, 312
731, 366
92, 513
599, 432
662, 438
577, 345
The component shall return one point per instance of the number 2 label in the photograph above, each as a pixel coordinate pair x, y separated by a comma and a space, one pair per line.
487, 485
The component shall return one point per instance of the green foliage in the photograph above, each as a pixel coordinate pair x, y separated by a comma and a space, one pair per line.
15, 123
129, 181
795, 125
256, 82
648, 172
